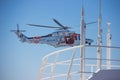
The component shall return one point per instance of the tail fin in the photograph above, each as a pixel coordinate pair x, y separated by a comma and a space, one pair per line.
19, 33
17, 30
24, 38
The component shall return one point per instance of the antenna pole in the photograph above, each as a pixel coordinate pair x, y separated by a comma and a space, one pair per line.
108, 49
82, 42
99, 40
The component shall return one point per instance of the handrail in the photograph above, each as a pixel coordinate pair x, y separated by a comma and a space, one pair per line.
69, 63
52, 53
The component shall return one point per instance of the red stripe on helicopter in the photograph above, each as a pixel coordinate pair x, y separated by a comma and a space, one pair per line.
36, 39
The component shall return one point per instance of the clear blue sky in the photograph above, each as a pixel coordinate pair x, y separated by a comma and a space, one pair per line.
21, 61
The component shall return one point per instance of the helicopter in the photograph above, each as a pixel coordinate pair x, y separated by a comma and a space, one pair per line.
60, 38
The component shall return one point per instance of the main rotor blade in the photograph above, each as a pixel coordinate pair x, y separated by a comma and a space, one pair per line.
58, 23
91, 22
42, 26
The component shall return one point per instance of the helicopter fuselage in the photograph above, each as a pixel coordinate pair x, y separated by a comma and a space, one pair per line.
56, 39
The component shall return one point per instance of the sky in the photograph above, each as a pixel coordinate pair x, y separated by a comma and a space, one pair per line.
21, 61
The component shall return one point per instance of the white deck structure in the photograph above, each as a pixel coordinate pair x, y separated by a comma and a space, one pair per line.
106, 75
65, 64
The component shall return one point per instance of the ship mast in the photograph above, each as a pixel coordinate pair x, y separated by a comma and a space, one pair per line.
99, 39
108, 49
82, 42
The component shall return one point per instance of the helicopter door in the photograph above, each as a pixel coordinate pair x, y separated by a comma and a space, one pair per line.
71, 38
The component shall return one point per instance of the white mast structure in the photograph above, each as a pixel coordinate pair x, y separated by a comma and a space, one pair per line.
99, 40
108, 49
82, 42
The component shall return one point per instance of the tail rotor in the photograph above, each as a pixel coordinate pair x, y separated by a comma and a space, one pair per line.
17, 30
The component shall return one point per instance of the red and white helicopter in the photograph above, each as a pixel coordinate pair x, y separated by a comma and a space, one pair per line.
60, 38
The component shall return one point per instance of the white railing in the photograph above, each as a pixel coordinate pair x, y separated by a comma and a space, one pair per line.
65, 64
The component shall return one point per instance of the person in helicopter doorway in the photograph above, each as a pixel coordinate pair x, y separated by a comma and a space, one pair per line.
69, 40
